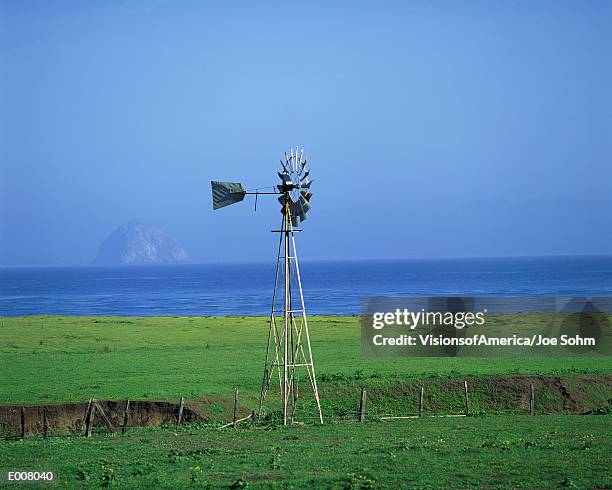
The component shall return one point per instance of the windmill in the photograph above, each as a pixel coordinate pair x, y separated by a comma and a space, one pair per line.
289, 352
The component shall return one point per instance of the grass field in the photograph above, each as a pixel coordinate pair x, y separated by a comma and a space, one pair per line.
489, 452
63, 359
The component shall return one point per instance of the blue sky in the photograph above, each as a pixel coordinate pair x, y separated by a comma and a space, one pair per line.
434, 129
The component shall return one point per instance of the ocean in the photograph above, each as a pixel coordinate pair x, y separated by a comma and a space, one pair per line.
330, 287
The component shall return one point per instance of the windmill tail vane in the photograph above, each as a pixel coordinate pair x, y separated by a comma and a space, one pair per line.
289, 351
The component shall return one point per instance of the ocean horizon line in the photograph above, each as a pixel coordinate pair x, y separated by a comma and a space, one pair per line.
311, 260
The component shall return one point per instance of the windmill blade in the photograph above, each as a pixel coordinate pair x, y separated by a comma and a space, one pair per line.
303, 168
306, 174
283, 165
293, 207
303, 205
300, 208
287, 165
306, 185
307, 194
226, 193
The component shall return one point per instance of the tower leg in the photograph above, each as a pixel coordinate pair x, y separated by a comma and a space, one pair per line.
272, 337
310, 367
287, 313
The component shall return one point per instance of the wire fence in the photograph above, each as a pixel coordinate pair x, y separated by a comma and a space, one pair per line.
96, 416
93, 416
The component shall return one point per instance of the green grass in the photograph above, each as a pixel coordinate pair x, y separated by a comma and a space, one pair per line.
489, 452
50, 359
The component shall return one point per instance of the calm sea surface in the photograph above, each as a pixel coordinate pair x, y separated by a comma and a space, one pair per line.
334, 287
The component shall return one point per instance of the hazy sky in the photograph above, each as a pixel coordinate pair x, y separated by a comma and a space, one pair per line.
433, 128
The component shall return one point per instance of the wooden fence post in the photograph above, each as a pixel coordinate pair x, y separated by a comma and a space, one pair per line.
22, 423
84, 424
253, 416
421, 401
90, 418
532, 402
180, 413
362, 405
126, 412
45, 424
104, 417
465, 394
235, 416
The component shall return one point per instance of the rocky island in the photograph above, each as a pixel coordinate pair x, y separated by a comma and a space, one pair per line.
139, 244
